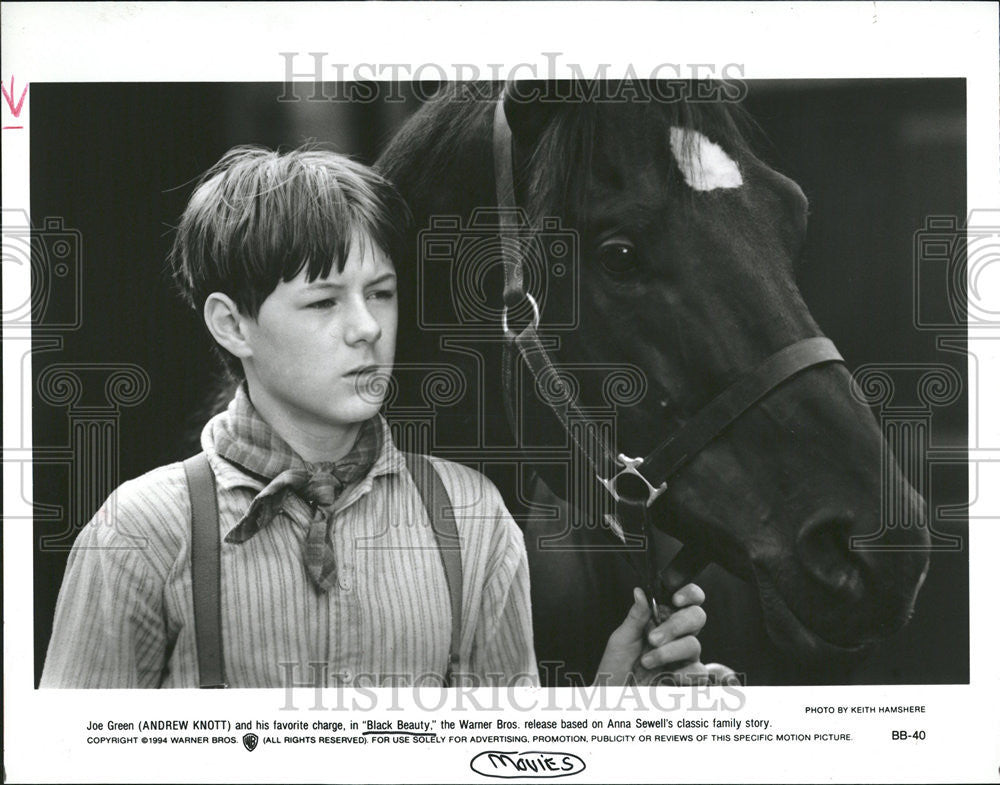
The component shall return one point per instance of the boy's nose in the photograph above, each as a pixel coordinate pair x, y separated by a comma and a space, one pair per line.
362, 325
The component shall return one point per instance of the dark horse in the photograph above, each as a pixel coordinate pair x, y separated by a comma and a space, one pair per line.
682, 271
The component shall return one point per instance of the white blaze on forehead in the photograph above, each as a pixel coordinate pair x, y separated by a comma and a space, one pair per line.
703, 163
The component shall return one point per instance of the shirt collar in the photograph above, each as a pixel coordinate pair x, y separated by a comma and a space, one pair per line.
230, 475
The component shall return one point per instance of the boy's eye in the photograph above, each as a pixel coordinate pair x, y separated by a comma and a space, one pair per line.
327, 302
383, 294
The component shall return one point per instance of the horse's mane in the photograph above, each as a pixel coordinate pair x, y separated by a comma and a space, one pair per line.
450, 134
447, 148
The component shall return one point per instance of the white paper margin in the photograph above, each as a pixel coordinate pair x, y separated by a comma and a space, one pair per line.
237, 42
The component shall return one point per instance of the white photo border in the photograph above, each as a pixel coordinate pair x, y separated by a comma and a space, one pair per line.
234, 42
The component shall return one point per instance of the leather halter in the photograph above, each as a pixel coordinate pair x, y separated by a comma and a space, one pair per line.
676, 450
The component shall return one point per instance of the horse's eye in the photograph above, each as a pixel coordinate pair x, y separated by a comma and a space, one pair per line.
618, 256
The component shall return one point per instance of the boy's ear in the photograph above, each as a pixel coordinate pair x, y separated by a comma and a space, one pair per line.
226, 324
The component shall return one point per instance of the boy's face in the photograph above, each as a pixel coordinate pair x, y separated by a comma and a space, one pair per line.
320, 351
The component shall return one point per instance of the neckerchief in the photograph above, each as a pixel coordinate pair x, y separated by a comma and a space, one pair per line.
244, 438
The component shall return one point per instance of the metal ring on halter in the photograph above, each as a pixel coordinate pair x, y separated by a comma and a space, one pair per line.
631, 466
535, 317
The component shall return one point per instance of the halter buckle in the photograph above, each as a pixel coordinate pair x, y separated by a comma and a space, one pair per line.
631, 466
535, 317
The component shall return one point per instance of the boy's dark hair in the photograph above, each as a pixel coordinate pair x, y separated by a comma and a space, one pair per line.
259, 217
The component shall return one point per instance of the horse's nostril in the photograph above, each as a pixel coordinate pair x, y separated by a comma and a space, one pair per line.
824, 551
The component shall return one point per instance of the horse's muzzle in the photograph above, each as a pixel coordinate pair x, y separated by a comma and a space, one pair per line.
868, 576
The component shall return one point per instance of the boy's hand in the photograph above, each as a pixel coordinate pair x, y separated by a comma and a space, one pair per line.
648, 653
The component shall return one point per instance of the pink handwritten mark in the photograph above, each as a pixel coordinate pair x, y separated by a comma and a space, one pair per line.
15, 109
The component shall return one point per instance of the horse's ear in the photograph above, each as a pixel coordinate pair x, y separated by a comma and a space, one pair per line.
527, 109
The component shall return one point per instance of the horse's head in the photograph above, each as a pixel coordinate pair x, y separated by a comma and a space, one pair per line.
688, 248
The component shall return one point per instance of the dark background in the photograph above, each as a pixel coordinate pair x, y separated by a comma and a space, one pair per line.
116, 162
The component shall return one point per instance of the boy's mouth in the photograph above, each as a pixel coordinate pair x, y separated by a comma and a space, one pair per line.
362, 370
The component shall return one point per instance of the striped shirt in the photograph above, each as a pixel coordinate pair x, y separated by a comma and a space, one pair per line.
125, 614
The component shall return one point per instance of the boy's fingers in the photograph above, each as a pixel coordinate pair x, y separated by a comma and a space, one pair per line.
686, 649
687, 675
720, 674
695, 673
691, 594
687, 621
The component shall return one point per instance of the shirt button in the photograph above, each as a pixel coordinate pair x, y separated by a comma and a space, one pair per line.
345, 582
346, 676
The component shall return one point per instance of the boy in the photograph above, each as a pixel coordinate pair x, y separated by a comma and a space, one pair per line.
329, 565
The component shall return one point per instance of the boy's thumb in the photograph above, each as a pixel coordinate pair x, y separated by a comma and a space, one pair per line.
635, 623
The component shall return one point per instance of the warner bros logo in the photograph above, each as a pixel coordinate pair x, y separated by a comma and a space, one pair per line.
250, 741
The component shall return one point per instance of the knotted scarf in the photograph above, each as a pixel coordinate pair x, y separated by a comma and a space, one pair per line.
245, 439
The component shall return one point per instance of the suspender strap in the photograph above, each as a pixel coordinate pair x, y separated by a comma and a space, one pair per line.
442, 517
206, 582
206, 569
